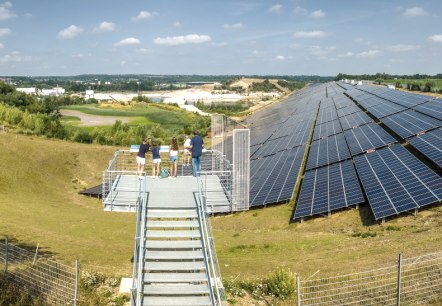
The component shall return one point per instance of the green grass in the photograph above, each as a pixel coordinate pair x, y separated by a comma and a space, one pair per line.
39, 203
437, 82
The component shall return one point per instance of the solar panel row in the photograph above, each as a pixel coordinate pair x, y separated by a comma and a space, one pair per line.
367, 137
429, 144
327, 151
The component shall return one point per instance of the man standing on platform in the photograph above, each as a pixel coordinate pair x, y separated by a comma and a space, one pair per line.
196, 144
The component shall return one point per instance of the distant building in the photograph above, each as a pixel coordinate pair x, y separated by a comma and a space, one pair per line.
391, 86
30, 90
56, 91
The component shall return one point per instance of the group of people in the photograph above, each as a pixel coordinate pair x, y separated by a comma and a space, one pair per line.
193, 148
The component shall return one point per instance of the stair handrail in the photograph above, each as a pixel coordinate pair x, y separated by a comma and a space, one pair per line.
213, 273
138, 261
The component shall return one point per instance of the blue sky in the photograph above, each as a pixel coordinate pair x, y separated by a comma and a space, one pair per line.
71, 37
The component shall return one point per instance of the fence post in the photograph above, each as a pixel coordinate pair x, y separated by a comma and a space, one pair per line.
76, 281
298, 289
399, 272
6, 256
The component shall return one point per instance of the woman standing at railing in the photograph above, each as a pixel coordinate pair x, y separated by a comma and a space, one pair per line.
156, 161
141, 157
173, 157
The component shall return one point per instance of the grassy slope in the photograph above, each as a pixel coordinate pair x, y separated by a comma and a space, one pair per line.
39, 203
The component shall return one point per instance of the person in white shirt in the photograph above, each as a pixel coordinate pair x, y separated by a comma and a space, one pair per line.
173, 157
186, 152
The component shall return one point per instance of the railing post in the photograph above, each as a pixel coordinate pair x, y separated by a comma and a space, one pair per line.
6, 256
298, 290
399, 273
77, 268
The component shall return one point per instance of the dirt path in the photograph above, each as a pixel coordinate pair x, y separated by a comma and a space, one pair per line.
93, 120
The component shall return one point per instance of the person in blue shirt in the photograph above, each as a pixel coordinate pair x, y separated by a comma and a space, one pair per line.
156, 160
196, 145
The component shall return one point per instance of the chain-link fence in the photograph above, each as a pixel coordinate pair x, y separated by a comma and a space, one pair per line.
413, 281
40, 277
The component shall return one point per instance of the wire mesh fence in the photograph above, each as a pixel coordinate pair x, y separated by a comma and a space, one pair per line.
413, 281
39, 276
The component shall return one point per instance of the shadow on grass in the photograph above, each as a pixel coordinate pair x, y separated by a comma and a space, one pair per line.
28, 247
367, 217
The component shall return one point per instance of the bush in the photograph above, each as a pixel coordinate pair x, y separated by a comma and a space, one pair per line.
282, 284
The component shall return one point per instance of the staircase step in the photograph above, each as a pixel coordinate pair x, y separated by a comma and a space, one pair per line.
174, 266
171, 213
174, 277
172, 234
173, 255
173, 244
174, 202
175, 289
172, 224
177, 301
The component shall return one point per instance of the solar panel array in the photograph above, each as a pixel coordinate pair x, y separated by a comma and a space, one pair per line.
345, 134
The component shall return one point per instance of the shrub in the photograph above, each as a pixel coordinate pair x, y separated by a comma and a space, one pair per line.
282, 284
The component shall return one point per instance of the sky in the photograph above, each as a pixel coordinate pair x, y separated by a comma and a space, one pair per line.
218, 37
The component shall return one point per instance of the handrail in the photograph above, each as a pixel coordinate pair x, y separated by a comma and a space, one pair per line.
213, 272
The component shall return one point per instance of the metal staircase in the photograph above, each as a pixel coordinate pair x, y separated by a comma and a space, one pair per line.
174, 261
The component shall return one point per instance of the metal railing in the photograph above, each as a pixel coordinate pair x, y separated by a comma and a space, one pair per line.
413, 281
41, 277
217, 291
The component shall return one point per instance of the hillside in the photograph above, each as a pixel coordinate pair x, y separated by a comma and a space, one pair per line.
39, 201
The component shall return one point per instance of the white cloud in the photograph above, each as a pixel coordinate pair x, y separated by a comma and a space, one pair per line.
143, 50
403, 48
123, 62
130, 41
235, 26
5, 12
311, 34
275, 8
280, 58
321, 51
182, 40
369, 54
300, 11
317, 14
15, 57
436, 38
415, 12
348, 54
5, 31
177, 24
144, 15
70, 32
1, 46
82, 55
105, 27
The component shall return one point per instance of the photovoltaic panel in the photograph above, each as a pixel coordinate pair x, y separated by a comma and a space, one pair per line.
432, 108
327, 151
273, 178
342, 101
395, 181
295, 127
410, 100
367, 137
385, 109
271, 147
327, 129
326, 115
429, 144
328, 188
354, 120
348, 110
409, 123
371, 101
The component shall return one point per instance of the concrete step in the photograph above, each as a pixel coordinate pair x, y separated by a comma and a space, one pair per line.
172, 224
172, 213
175, 289
174, 266
173, 244
173, 201
172, 234
177, 301
173, 255
174, 277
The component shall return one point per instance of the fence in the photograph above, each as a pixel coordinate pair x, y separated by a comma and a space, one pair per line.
40, 277
413, 281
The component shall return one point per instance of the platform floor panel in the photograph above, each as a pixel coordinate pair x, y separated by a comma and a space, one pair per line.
165, 192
